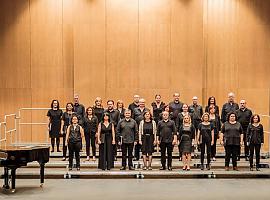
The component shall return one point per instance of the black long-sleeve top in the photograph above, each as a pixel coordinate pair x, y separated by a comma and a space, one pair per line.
80, 112
190, 132
166, 131
114, 115
90, 125
243, 117
255, 134
175, 108
128, 130
216, 123
226, 109
196, 111
98, 112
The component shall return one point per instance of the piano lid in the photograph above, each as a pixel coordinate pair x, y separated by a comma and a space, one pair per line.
6, 148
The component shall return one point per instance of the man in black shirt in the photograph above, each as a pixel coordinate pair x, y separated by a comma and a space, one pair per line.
79, 109
127, 129
196, 111
135, 104
175, 106
243, 117
115, 118
167, 138
228, 107
138, 116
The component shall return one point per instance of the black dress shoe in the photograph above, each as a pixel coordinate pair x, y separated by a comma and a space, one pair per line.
170, 168
258, 169
162, 168
208, 167
202, 167
131, 168
78, 169
247, 159
123, 168
251, 168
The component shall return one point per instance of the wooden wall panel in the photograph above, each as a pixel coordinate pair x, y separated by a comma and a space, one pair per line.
187, 49
122, 71
89, 49
154, 47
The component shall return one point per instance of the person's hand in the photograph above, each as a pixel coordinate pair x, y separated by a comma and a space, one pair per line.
242, 143
155, 142
140, 142
174, 142
99, 141
135, 143
158, 142
113, 142
212, 143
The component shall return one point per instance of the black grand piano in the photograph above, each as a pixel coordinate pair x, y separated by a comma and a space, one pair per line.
13, 157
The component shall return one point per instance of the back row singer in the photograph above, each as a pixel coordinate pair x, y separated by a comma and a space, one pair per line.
165, 125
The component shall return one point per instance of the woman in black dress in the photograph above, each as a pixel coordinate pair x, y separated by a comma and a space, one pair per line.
106, 139
216, 123
255, 139
212, 102
90, 125
231, 137
157, 107
120, 108
54, 124
98, 109
205, 138
186, 139
147, 138
74, 141
66, 121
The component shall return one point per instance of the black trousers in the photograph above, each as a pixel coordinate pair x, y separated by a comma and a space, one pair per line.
257, 148
74, 148
214, 146
231, 151
127, 148
137, 151
206, 144
90, 138
163, 147
246, 147
64, 146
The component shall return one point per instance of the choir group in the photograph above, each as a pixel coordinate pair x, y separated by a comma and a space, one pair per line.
163, 126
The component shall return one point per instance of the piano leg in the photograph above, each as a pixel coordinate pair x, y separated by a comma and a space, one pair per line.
6, 185
42, 166
13, 179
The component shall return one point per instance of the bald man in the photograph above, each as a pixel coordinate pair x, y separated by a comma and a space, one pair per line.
134, 104
228, 107
243, 117
79, 109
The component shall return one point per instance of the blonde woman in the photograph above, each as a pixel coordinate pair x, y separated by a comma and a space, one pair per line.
147, 138
186, 139
205, 138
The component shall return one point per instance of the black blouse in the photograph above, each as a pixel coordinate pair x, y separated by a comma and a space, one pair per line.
255, 134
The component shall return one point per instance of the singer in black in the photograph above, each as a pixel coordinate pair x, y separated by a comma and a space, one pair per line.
98, 109
243, 117
79, 109
74, 141
147, 138
106, 140
157, 107
216, 123
231, 137
255, 139
205, 138
90, 129
66, 121
54, 124
127, 131
167, 138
